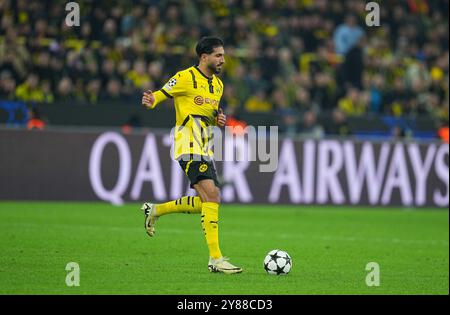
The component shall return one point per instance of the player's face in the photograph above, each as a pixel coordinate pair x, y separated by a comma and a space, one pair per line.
216, 59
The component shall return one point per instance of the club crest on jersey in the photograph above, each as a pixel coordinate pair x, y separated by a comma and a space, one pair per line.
203, 168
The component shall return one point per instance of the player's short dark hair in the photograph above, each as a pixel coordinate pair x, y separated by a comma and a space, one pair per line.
207, 44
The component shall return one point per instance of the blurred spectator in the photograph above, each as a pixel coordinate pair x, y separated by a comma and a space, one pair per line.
7, 85
132, 123
30, 90
316, 52
47, 91
398, 132
258, 102
229, 101
347, 35
376, 94
286, 66
65, 90
323, 91
234, 121
93, 91
338, 126
14, 56
351, 71
443, 132
113, 90
353, 103
35, 121
303, 99
255, 81
310, 126
139, 76
287, 115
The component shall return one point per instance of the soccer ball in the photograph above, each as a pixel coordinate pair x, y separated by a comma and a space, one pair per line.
277, 262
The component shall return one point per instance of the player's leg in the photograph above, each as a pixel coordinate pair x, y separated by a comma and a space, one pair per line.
210, 195
185, 204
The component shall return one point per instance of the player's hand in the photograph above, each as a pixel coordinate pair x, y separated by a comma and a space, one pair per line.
221, 118
148, 99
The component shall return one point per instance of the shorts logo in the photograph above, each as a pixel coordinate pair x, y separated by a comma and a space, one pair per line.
203, 168
198, 100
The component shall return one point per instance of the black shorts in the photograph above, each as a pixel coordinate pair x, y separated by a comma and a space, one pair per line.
198, 170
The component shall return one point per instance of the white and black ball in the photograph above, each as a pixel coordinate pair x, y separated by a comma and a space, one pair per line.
278, 262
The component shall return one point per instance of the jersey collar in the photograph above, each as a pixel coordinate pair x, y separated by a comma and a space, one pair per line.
198, 69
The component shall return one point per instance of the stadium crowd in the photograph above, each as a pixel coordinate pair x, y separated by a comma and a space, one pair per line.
290, 58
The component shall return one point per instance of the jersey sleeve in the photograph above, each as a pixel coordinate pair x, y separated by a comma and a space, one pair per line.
177, 85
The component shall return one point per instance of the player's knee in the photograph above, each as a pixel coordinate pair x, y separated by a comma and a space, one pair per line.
213, 196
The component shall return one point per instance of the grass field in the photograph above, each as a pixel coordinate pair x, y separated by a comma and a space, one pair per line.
330, 248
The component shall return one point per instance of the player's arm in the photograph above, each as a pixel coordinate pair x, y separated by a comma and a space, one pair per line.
221, 118
177, 85
151, 99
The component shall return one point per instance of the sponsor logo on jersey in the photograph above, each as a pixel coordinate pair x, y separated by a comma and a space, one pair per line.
199, 100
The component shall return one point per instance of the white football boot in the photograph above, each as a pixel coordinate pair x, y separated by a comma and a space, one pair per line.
150, 217
222, 265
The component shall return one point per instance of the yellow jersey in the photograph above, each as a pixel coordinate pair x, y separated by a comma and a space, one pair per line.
196, 99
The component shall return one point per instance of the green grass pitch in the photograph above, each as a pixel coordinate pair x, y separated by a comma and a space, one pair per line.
330, 247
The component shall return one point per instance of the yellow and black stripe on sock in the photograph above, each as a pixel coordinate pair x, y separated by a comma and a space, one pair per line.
210, 224
186, 204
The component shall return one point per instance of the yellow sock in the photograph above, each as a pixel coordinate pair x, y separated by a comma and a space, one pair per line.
186, 204
210, 224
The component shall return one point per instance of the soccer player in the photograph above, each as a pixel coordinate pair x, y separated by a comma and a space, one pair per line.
196, 92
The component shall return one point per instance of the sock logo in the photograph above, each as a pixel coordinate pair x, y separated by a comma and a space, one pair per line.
203, 168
